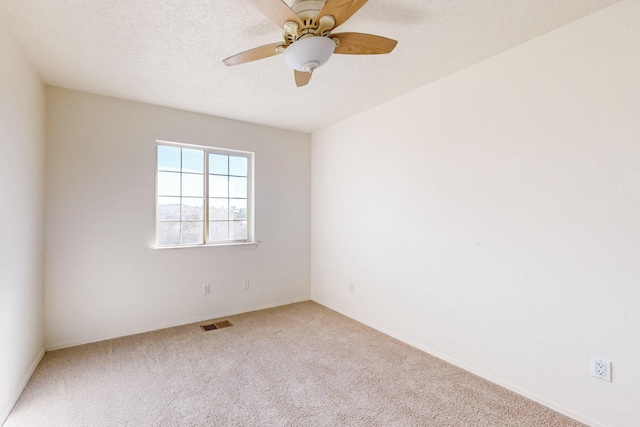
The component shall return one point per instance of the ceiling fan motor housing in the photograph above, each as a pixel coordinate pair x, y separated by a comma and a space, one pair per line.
311, 24
307, 9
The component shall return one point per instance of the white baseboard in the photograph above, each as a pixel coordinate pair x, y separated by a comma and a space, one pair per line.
4, 413
171, 325
512, 387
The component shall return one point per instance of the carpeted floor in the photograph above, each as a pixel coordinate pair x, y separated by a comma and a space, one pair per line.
297, 365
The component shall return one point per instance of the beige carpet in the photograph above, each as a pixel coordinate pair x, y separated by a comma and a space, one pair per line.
297, 365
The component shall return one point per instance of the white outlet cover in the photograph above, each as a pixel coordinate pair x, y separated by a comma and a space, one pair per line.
601, 368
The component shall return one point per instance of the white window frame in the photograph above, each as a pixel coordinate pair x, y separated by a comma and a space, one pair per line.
250, 240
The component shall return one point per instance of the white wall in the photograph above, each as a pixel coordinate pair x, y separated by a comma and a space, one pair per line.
21, 210
103, 279
492, 218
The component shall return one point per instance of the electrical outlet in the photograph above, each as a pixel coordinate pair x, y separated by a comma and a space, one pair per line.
206, 289
601, 368
245, 285
352, 288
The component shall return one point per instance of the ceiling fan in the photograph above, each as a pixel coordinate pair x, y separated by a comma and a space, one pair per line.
308, 39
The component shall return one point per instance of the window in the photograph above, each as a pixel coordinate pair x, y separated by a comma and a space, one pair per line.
203, 196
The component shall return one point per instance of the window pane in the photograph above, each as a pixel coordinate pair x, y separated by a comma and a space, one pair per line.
218, 231
169, 208
183, 194
219, 209
192, 233
192, 209
168, 158
218, 186
218, 164
192, 185
238, 209
237, 187
238, 230
237, 166
168, 184
192, 160
168, 233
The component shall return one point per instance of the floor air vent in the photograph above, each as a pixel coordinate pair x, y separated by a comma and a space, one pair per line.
216, 325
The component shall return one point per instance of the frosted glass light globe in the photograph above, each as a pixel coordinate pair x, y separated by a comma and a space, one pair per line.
309, 53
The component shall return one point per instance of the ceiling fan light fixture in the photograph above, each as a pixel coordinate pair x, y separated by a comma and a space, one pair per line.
309, 53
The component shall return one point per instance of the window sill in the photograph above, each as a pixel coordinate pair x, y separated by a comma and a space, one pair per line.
247, 245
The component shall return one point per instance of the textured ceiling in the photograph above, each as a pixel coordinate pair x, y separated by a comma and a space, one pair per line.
170, 52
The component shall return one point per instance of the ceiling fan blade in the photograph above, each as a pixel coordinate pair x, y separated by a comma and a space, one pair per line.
341, 10
277, 11
363, 44
302, 78
253, 54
